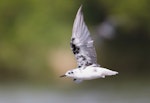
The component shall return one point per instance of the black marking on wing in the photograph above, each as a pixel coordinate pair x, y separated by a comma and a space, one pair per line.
79, 66
75, 48
88, 64
82, 43
82, 60
81, 57
72, 40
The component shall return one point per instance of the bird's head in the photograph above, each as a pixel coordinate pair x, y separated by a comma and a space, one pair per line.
70, 73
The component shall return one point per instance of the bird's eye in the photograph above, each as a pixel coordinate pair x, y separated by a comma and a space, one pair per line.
72, 72
69, 73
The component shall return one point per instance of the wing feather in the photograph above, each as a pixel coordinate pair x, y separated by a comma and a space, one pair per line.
82, 43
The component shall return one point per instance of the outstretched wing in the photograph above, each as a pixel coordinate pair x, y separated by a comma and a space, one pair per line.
82, 43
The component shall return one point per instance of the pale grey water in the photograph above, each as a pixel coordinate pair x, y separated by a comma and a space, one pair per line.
130, 93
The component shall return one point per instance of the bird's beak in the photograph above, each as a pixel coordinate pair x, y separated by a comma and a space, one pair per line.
63, 76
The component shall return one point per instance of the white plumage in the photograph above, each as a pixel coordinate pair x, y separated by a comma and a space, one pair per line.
84, 51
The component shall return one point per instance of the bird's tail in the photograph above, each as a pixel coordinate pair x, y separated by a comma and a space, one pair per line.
107, 72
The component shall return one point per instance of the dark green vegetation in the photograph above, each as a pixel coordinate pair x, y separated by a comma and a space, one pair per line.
30, 29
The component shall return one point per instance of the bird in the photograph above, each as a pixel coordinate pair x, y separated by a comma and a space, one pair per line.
85, 54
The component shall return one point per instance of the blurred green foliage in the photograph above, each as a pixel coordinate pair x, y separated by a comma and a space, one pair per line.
29, 29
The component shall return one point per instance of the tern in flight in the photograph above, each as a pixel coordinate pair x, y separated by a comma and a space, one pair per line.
84, 51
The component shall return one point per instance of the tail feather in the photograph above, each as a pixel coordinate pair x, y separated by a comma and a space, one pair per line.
108, 72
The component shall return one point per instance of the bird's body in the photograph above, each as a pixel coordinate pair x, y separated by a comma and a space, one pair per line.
89, 73
84, 51
92, 72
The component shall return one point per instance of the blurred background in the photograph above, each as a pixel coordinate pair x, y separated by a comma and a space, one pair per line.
35, 51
